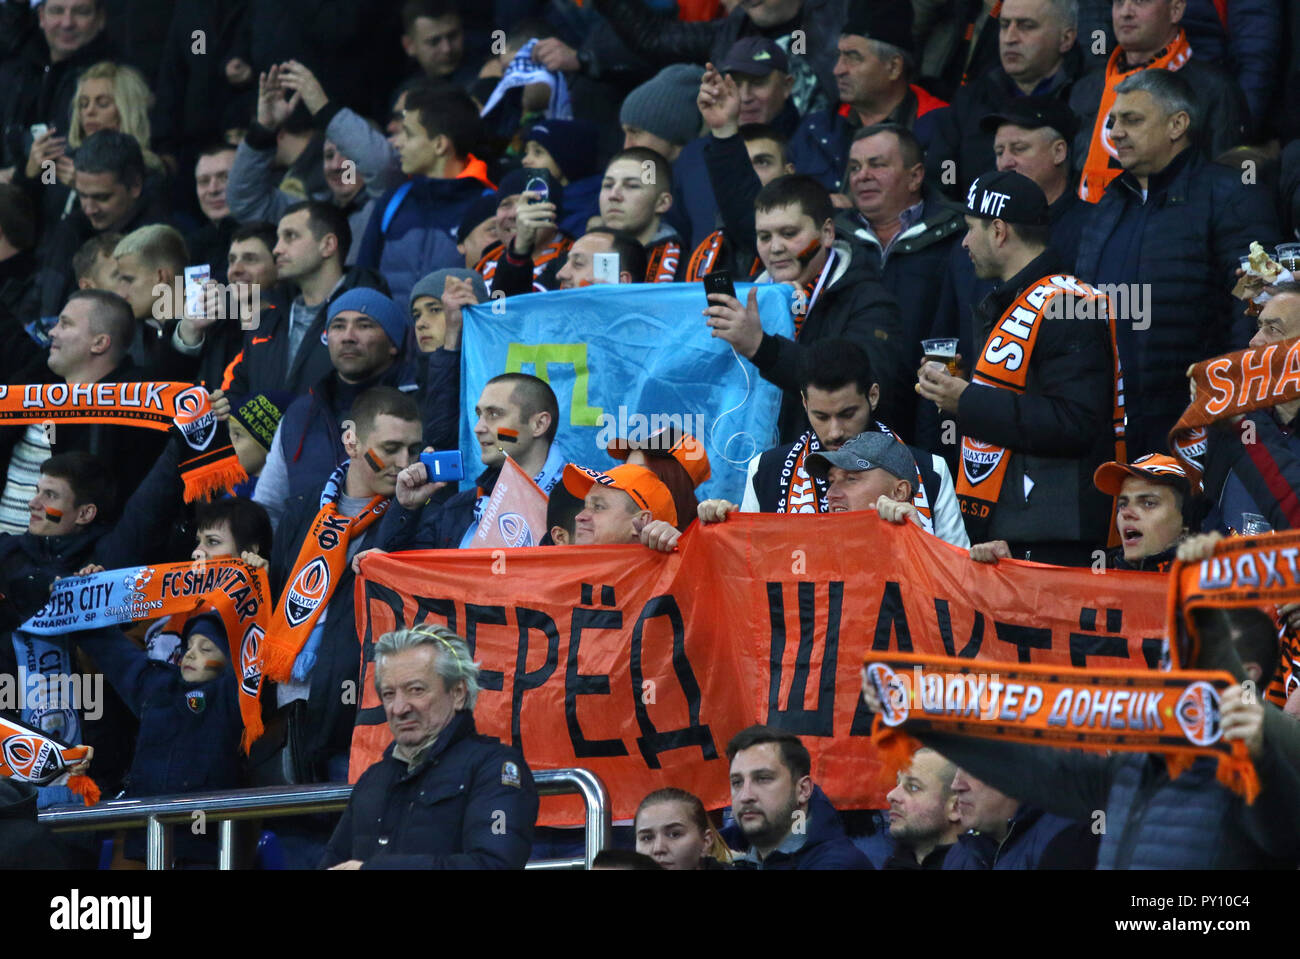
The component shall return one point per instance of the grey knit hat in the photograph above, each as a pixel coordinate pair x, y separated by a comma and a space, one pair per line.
665, 104
433, 284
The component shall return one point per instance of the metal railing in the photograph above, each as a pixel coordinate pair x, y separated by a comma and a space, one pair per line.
159, 814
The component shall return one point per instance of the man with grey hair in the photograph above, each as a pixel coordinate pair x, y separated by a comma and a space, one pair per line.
1037, 57
1166, 237
873, 70
1150, 37
443, 797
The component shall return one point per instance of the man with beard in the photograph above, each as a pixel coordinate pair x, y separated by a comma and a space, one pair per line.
783, 820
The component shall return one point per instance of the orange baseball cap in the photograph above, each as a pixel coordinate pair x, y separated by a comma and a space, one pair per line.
669, 441
646, 489
1156, 467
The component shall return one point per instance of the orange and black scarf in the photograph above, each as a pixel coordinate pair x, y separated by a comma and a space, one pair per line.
1231, 385
212, 466
1175, 713
1102, 165
1004, 363
30, 756
236, 592
662, 261
321, 561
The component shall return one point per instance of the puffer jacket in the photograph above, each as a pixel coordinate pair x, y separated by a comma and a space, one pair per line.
1196, 221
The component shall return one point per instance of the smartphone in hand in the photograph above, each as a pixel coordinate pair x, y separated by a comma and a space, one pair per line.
443, 467
719, 281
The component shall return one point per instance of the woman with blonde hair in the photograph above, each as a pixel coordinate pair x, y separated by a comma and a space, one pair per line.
109, 96
673, 829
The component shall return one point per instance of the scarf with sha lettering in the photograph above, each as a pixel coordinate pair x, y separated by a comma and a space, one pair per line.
1174, 713
321, 561
236, 592
1228, 386
212, 466
1102, 163
1005, 362
32, 757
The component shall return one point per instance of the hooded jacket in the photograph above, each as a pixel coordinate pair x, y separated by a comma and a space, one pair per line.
919, 254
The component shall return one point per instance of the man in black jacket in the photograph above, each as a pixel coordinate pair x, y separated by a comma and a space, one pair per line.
88, 345
838, 294
904, 225
662, 41
286, 349
1169, 231
1036, 417
38, 85
442, 796
1150, 37
115, 194
1038, 58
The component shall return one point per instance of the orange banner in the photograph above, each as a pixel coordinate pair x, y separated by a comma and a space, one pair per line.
641, 665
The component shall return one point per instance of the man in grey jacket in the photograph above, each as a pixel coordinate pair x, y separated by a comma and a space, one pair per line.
359, 163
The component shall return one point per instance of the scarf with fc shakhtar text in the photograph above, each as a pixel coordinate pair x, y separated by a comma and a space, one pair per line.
32, 757
321, 561
236, 592
212, 465
1004, 363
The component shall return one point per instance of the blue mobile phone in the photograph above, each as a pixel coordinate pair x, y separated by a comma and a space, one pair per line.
443, 467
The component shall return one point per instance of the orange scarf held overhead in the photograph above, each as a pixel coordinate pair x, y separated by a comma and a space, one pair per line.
321, 561
30, 756
1232, 385
212, 467
1102, 163
236, 592
1099, 710
1004, 363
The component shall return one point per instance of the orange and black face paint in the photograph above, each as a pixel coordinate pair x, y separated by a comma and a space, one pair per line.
52, 514
507, 436
810, 251
374, 461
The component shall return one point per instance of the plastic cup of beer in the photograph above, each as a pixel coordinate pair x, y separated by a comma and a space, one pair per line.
1253, 524
1288, 256
942, 351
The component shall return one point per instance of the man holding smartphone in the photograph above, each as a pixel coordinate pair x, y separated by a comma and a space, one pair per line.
518, 416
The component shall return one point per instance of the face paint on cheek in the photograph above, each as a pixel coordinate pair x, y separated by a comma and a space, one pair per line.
508, 436
810, 251
214, 663
374, 461
52, 514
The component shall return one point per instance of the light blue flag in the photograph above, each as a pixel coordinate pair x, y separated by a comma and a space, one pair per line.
625, 361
